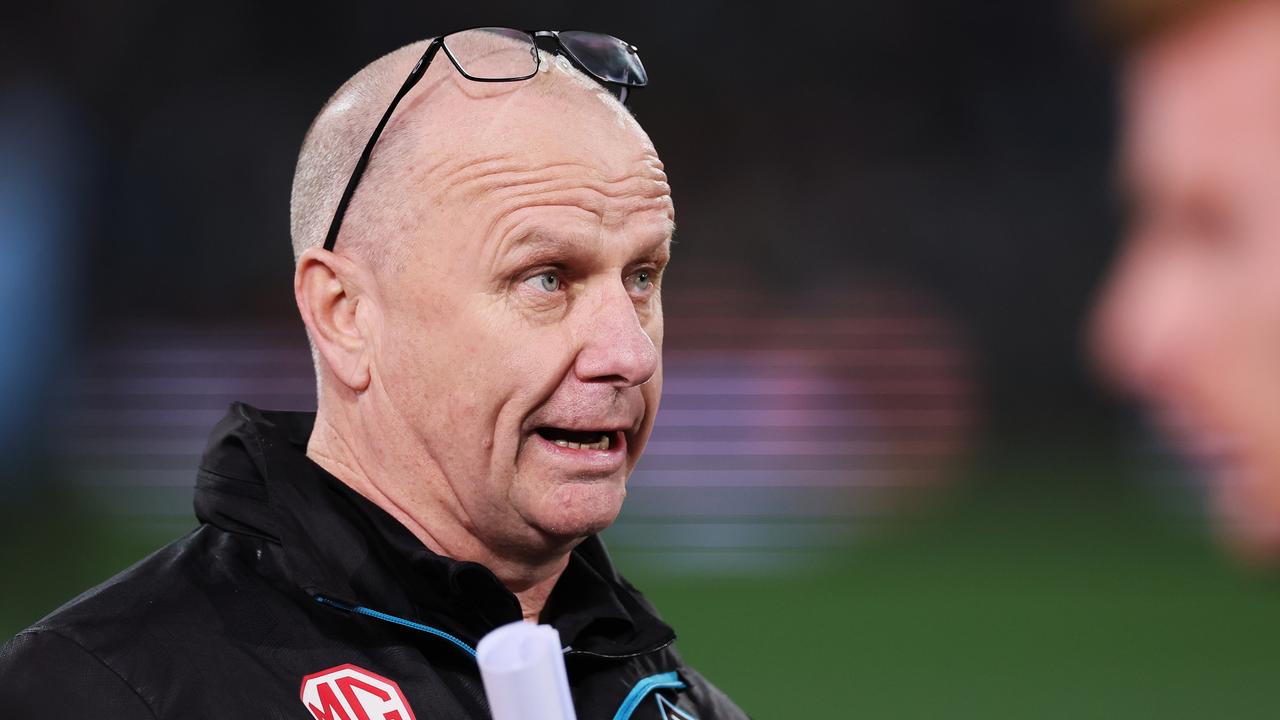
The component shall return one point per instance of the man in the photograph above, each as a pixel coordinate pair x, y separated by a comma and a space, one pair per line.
486, 320
1190, 319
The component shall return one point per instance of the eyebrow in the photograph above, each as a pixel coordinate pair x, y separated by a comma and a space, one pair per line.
541, 239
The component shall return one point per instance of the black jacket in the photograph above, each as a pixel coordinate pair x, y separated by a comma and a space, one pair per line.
298, 598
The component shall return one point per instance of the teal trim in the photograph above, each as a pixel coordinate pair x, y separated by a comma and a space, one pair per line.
397, 621
642, 689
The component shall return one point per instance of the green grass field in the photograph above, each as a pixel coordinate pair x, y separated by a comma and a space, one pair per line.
1014, 597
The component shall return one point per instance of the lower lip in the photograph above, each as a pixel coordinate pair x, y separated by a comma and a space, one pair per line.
584, 460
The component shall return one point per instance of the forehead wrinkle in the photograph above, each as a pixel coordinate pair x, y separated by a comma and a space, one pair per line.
606, 199
508, 168
506, 233
453, 167
597, 199
480, 178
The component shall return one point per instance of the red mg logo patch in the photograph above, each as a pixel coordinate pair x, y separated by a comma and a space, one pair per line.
347, 692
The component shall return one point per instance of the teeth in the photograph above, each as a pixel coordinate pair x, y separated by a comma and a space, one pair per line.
602, 444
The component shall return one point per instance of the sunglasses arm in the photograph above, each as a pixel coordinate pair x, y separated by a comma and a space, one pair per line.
418, 71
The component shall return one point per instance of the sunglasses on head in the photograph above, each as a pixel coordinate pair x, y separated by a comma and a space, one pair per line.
498, 54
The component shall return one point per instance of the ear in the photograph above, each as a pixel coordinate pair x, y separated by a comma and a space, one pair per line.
332, 295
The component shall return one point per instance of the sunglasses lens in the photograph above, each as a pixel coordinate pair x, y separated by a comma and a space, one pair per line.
493, 53
611, 59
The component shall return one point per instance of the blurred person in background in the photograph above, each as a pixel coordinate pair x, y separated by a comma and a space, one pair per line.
487, 329
42, 181
1189, 320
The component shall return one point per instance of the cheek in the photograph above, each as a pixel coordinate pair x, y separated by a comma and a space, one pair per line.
654, 324
490, 370
1244, 303
652, 393
1230, 360
529, 360
655, 334
448, 375
1247, 370
652, 390
1242, 387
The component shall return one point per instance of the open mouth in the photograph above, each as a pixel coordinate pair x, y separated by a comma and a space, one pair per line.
579, 439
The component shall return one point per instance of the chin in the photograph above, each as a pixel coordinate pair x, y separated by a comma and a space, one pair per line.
1248, 510
1256, 545
574, 510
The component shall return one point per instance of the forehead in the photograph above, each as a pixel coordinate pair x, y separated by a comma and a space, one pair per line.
1215, 80
557, 112
538, 148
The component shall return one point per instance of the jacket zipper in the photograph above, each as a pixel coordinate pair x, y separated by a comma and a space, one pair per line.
633, 699
387, 617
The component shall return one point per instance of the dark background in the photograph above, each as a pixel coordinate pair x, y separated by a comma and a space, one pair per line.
873, 198
964, 146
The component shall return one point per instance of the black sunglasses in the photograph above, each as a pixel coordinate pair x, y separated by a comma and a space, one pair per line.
496, 54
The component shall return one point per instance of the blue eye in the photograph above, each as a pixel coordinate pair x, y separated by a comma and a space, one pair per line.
642, 280
546, 282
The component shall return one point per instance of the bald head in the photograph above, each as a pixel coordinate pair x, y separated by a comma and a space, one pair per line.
520, 231
430, 120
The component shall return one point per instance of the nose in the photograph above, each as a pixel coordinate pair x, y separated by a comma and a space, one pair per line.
614, 346
1139, 325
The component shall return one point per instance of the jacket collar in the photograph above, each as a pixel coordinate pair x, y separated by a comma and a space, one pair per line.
256, 479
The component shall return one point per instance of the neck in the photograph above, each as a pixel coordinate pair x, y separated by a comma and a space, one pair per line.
430, 510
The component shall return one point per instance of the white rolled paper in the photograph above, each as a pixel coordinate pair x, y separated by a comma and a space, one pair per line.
522, 667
